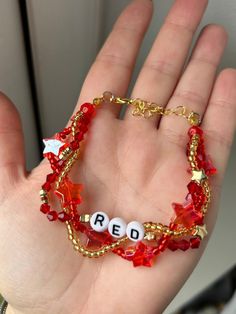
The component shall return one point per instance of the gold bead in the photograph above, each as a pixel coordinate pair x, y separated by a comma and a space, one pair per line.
97, 101
42, 192
74, 241
200, 231
108, 97
194, 118
44, 200
84, 218
196, 137
96, 254
106, 248
150, 236
81, 249
70, 237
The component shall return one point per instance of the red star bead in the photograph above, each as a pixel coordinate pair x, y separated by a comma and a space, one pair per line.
143, 255
187, 215
97, 239
69, 193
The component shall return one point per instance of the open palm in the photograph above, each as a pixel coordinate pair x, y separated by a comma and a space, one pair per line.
132, 168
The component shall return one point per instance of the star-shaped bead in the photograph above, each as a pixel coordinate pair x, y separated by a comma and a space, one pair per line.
52, 146
69, 193
186, 214
200, 231
198, 175
97, 239
143, 255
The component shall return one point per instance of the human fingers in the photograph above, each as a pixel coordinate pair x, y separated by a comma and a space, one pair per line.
195, 85
220, 119
163, 66
12, 161
114, 64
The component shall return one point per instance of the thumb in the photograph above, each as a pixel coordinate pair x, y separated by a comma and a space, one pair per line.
12, 157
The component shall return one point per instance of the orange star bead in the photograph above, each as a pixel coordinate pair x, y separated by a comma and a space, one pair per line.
187, 215
69, 193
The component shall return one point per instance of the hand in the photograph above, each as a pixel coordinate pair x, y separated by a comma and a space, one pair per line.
132, 168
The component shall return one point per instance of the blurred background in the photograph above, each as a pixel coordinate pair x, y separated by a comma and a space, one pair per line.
46, 49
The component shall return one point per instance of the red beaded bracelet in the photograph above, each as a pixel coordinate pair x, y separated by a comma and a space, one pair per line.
186, 229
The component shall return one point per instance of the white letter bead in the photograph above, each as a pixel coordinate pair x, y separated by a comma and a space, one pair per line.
135, 231
99, 221
117, 227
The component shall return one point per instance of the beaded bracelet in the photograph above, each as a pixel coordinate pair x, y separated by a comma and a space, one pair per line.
186, 229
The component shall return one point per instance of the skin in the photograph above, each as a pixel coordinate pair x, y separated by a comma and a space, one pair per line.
131, 168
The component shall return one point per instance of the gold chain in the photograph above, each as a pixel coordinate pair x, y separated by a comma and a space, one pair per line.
148, 109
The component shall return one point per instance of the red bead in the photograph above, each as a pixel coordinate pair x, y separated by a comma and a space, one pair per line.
79, 136
195, 130
156, 251
83, 127
74, 145
88, 109
97, 239
183, 245
53, 159
63, 216
195, 243
172, 226
201, 156
209, 167
67, 131
172, 245
52, 215
78, 226
51, 177
45, 208
56, 168
197, 194
46, 186
119, 251
62, 136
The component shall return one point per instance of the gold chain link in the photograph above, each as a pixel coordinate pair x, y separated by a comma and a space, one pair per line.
148, 109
